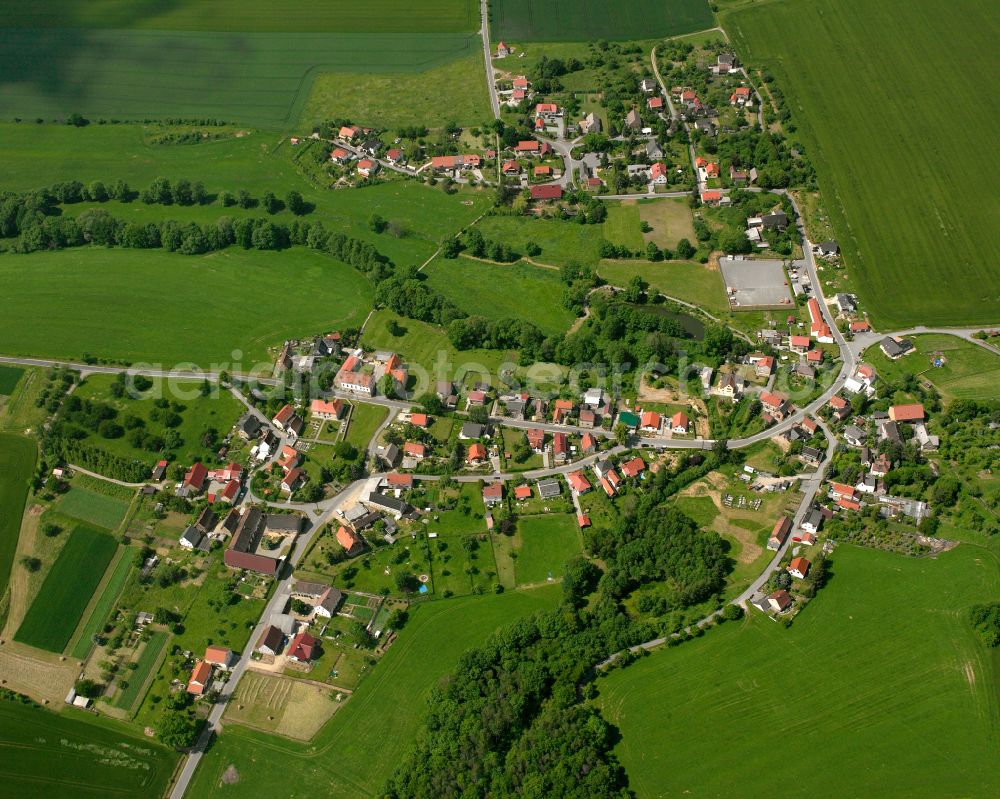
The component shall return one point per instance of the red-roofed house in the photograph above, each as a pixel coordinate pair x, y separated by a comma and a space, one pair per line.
476, 454
907, 413
860, 327
219, 656
419, 420
740, 96
583, 520
302, 647
634, 467
561, 408
547, 191
348, 132
658, 173
367, 167
282, 417
814, 356
588, 444
543, 171
493, 494
711, 197
414, 449
679, 423
522, 493
547, 109
841, 491
712, 170
799, 568
608, 488
194, 480
521, 82
229, 492
395, 156
502, 50
849, 504
292, 480
326, 409
201, 678
536, 439
511, 168
779, 534
578, 482
349, 541
340, 155
650, 421
774, 404
655, 103
799, 343
396, 480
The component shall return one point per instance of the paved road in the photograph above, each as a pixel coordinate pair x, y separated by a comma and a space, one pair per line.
491, 81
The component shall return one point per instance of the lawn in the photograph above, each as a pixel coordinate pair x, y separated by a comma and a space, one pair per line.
385, 710
167, 308
670, 220
105, 602
66, 755
543, 545
427, 347
622, 225
452, 92
255, 78
561, 241
881, 671
968, 371
581, 20
40, 155
249, 15
911, 208
67, 590
218, 411
518, 291
685, 280
365, 419
88, 506
146, 663
10, 376
17, 463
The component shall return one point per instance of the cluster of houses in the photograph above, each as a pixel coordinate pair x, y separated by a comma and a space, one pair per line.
360, 374
302, 356
217, 659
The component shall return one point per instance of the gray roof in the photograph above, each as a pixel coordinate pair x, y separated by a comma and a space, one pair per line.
389, 503
473, 430
332, 600
829, 247
193, 536
855, 432
894, 348
815, 518
285, 522
303, 588
778, 220
549, 488
249, 424
812, 453
653, 149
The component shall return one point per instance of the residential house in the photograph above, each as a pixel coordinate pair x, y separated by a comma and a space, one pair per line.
731, 385
201, 678
647, 85
587, 419
350, 541
522, 493
841, 491
775, 404
588, 444
397, 508
726, 63
341, 156
841, 408
658, 173
590, 124
414, 449
471, 431
397, 480
779, 534
303, 647
780, 601
634, 467
578, 482
827, 248
158, 473
367, 167
881, 466
895, 348
220, 657
740, 96
192, 538
511, 168
799, 344
847, 303
632, 120
650, 422
560, 447
536, 440
813, 521
548, 489
502, 50
907, 413
493, 494
248, 428
546, 191
326, 409
291, 481
419, 420
655, 104
271, 641
476, 454
799, 568
679, 423
395, 156
854, 435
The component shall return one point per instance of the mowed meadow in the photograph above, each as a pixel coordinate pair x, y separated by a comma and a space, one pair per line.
582, 20
880, 672
251, 62
892, 101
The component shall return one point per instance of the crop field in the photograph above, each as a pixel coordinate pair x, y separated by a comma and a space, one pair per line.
518, 291
105, 602
452, 92
880, 671
284, 706
89, 506
66, 592
581, 20
388, 706
144, 668
219, 410
543, 545
913, 205
163, 307
402, 16
688, 281
63, 755
967, 371
17, 463
10, 376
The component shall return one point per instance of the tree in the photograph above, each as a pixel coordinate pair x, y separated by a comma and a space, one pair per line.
178, 728
621, 434
296, 204
377, 223
407, 582
685, 250
270, 203
88, 688
31, 564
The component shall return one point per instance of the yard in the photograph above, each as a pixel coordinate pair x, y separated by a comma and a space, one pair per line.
543, 545
856, 81
67, 590
691, 282
882, 672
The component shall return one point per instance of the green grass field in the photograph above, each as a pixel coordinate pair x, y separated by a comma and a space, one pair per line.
66, 755
969, 371
560, 241
249, 15
365, 419
913, 204
387, 707
89, 506
622, 225
568, 21
518, 291
452, 92
17, 463
40, 155
219, 411
880, 671
162, 307
10, 376
546, 543
685, 280
146, 662
66, 592
102, 607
